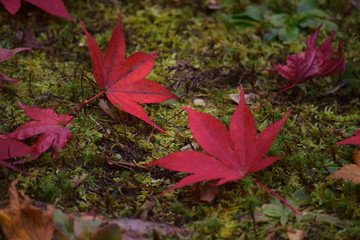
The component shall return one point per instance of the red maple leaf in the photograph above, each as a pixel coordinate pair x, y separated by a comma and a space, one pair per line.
315, 62
352, 140
54, 7
51, 127
231, 154
122, 79
5, 54
11, 148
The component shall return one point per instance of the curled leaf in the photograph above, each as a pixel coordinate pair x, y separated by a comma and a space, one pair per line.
315, 62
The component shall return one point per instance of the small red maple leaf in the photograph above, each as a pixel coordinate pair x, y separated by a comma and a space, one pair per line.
5, 54
315, 62
11, 148
231, 154
54, 7
51, 127
352, 140
122, 79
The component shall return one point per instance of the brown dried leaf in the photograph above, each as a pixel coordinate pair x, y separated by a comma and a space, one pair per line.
296, 235
350, 172
23, 221
136, 229
208, 191
356, 156
111, 112
249, 98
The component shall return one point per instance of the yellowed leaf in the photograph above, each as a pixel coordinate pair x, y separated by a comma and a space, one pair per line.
23, 221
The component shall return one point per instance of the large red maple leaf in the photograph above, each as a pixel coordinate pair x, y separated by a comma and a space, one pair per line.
5, 54
231, 154
122, 79
315, 62
352, 140
49, 125
54, 7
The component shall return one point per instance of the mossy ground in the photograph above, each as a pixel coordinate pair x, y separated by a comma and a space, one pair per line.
58, 75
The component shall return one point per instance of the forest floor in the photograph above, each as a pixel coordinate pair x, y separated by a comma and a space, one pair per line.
204, 55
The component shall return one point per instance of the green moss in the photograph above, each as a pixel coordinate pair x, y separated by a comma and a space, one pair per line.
81, 177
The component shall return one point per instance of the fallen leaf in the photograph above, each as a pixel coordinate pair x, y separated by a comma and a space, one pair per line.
315, 62
73, 226
21, 220
352, 140
199, 102
147, 207
5, 54
190, 146
208, 191
54, 7
105, 107
51, 127
10, 148
296, 234
350, 172
136, 229
231, 153
249, 98
122, 79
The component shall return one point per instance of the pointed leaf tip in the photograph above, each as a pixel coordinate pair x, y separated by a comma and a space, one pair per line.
123, 79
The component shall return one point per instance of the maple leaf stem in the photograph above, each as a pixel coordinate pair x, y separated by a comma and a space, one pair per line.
84, 103
278, 196
282, 90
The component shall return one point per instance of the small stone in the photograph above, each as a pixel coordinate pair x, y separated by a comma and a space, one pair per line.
199, 102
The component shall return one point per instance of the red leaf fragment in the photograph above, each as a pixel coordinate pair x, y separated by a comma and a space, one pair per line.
231, 154
122, 79
352, 140
10, 148
5, 54
315, 62
54, 7
49, 125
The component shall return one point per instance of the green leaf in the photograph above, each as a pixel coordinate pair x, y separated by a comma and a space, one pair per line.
306, 5
289, 33
279, 20
108, 232
254, 12
270, 34
272, 210
283, 219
